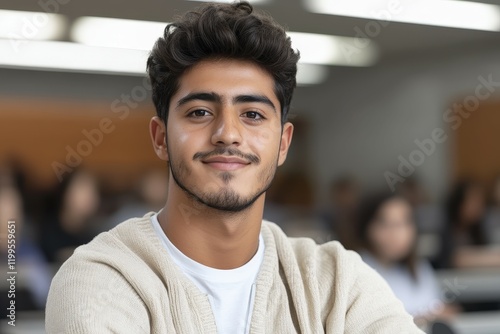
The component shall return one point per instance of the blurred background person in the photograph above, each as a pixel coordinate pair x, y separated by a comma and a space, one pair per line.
388, 234
290, 204
148, 195
70, 219
341, 215
412, 190
492, 224
463, 241
31, 291
428, 215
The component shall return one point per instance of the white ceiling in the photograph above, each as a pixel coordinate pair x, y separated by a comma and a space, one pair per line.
394, 40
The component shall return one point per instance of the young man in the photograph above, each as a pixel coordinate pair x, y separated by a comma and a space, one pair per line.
222, 78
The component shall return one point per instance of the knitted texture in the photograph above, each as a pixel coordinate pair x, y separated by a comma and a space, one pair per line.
124, 281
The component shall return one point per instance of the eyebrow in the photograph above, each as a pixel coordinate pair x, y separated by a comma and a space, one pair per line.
202, 96
214, 97
254, 98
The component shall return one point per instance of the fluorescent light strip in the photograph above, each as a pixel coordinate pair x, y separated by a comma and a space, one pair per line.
444, 13
310, 74
141, 35
73, 57
21, 25
118, 33
334, 50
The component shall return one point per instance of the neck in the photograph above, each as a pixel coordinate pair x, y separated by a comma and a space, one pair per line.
217, 239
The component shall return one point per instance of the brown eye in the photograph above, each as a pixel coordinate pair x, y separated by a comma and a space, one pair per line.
198, 113
253, 115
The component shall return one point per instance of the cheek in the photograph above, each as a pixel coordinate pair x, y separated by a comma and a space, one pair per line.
183, 139
183, 142
390, 240
402, 241
378, 238
412, 237
176, 134
266, 140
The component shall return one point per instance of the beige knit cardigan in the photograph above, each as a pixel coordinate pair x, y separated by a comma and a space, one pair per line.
124, 281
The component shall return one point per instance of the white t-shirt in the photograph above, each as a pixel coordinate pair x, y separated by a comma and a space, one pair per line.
230, 292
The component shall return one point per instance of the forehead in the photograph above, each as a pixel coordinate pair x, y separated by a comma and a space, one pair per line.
395, 207
227, 77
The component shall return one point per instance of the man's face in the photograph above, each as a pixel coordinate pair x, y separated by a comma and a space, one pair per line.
224, 133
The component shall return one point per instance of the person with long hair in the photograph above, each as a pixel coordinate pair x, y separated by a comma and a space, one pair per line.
388, 234
492, 220
70, 215
464, 243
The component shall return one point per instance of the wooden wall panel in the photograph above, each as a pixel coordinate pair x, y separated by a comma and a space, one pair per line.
477, 144
39, 133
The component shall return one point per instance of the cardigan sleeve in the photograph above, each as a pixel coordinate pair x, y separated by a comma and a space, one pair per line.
91, 297
371, 306
354, 298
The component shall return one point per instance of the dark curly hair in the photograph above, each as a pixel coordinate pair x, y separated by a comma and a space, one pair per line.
218, 31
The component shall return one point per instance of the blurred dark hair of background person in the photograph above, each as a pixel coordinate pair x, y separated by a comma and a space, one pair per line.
149, 194
31, 291
388, 234
341, 215
69, 220
492, 220
413, 191
464, 242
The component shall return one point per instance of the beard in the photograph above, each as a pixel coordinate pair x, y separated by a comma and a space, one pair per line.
226, 198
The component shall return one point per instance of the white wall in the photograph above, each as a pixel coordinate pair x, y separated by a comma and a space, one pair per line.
365, 119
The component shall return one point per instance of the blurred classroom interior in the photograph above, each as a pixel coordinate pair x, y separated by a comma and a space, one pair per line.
395, 152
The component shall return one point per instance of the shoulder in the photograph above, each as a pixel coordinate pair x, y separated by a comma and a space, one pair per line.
342, 287
307, 248
330, 256
94, 284
128, 236
121, 249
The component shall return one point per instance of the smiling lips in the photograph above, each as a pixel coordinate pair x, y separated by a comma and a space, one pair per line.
226, 163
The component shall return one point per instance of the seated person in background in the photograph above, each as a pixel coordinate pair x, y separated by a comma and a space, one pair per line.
463, 242
389, 234
492, 221
68, 224
341, 216
414, 192
29, 259
222, 79
148, 195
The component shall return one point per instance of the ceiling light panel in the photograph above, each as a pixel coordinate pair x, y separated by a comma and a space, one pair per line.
445, 13
22, 25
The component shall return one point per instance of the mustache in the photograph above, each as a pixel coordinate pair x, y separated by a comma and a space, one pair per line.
227, 151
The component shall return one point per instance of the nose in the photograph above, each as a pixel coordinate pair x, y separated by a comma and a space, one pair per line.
227, 129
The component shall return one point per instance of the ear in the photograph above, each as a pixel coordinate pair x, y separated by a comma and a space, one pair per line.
286, 140
158, 134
